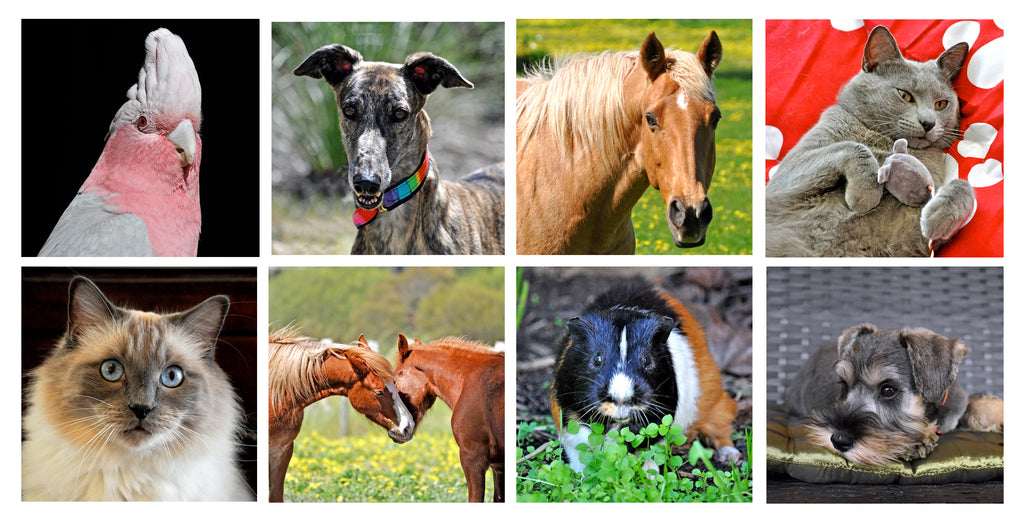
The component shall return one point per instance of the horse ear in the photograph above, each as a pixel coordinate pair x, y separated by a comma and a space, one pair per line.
710, 53
333, 63
403, 346
362, 341
652, 55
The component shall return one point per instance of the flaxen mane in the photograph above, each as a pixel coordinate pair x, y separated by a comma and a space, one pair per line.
580, 99
461, 343
296, 364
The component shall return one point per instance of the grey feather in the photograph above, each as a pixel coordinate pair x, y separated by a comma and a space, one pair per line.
88, 228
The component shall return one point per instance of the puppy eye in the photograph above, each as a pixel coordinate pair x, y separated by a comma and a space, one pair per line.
598, 360
349, 110
887, 390
907, 97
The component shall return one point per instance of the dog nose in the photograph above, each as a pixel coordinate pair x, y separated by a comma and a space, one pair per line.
842, 441
365, 184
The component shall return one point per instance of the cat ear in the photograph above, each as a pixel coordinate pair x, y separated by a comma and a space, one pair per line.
881, 47
952, 60
87, 307
205, 320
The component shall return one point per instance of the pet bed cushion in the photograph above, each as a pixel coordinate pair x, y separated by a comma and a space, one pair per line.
807, 61
960, 456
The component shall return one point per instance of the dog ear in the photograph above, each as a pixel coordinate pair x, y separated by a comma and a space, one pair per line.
333, 63
934, 360
849, 338
426, 71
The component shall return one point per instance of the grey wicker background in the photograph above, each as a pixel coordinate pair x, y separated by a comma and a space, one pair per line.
809, 307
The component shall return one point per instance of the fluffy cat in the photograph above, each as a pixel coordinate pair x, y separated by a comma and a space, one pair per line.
131, 405
826, 197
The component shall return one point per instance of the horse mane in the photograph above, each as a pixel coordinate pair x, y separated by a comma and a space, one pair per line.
296, 364
581, 99
462, 343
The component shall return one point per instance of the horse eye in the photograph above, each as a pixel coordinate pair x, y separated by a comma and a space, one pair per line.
716, 116
378, 393
652, 121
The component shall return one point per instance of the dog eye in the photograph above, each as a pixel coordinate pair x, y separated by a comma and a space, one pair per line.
887, 390
349, 111
400, 114
598, 360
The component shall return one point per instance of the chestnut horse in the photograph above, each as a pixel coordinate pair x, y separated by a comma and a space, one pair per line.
593, 134
303, 371
470, 379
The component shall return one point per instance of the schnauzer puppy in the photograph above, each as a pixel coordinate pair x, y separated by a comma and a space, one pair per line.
896, 392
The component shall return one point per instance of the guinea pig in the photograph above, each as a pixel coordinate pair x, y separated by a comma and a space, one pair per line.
634, 355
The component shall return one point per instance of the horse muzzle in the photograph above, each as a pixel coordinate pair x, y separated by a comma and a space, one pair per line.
689, 224
401, 435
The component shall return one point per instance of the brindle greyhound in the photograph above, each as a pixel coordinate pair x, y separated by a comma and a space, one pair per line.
402, 204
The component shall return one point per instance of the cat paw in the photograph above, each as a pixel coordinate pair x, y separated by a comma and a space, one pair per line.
863, 192
947, 211
905, 177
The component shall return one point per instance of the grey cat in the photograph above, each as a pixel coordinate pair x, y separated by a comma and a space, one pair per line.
828, 198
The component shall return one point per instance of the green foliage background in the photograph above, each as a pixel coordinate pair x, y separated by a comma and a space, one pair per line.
730, 192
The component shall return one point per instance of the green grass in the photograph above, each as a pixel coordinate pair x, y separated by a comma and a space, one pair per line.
615, 470
730, 193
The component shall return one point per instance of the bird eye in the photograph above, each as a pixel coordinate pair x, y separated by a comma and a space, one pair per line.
172, 377
111, 370
142, 123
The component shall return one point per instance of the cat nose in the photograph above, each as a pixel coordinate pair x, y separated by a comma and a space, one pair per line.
927, 125
140, 410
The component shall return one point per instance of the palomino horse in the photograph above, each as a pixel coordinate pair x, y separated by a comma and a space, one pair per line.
470, 379
595, 132
303, 371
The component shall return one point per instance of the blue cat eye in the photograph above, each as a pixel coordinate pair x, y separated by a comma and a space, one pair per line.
172, 377
111, 370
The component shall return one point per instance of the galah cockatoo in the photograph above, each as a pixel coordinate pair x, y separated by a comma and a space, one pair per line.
142, 197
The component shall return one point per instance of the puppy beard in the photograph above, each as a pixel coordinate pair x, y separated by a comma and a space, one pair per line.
863, 437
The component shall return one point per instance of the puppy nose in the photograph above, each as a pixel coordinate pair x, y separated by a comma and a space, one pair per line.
842, 441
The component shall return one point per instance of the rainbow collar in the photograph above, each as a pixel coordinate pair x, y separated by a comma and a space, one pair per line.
396, 195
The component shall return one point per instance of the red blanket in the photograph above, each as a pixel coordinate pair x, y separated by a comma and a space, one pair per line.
808, 61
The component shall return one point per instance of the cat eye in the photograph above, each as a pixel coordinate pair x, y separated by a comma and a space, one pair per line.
111, 370
907, 97
941, 104
172, 377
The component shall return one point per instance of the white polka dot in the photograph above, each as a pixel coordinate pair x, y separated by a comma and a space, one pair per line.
977, 139
771, 172
847, 25
966, 31
986, 174
772, 142
986, 67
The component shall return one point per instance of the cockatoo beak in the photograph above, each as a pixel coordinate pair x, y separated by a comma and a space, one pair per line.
184, 138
